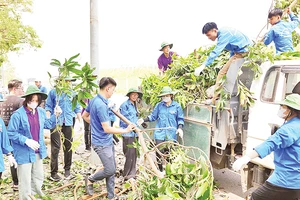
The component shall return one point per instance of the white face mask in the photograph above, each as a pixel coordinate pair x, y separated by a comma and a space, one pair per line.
166, 99
32, 105
281, 112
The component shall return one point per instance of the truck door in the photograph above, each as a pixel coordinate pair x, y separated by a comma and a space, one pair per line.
277, 81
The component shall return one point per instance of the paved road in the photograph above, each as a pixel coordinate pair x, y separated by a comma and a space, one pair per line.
229, 185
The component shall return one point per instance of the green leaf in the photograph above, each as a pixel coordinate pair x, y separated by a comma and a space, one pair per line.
164, 197
202, 189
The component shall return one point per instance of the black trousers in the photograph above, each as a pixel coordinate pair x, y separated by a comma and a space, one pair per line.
55, 147
162, 150
269, 191
14, 175
87, 135
130, 157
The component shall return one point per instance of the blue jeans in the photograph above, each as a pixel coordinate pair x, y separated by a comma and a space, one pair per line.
107, 157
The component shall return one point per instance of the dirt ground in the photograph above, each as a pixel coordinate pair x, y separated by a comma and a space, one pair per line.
85, 162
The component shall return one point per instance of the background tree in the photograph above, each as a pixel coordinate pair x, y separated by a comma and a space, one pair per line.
14, 35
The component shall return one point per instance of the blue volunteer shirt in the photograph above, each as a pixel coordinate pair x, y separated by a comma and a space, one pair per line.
281, 34
167, 116
5, 146
129, 111
43, 89
98, 110
65, 103
231, 40
285, 143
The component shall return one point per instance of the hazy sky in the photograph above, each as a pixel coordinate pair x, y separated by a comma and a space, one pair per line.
131, 31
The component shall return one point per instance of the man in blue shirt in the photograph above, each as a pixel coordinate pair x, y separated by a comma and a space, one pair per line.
97, 114
284, 182
66, 121
232, 40
43, 89
281, 31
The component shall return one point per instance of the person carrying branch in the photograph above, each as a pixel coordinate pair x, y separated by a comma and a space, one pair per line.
97, 114
284, 182
170, 120
66, 122
232, 40
281, 31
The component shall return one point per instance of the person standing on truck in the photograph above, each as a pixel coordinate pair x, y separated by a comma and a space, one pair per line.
230, 39
169, 116
165, 59
281, 31
284, 182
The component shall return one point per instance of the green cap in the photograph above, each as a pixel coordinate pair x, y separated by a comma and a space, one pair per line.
292, 100
166, 90
135, 90
165, 44
32, 89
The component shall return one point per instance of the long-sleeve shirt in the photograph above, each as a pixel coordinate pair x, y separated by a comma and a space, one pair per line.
164, 62
281, 34
65, 103
43, 89
231, 40
285, 143
129, 111
19, 130
5, 146
168, 117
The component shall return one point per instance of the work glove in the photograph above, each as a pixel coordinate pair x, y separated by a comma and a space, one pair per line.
198, 70
12, 161
180, 132
32, 144
140, 121
81, 126
57, 110
240, 163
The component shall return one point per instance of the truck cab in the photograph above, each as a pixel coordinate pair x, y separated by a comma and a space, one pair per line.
228, 134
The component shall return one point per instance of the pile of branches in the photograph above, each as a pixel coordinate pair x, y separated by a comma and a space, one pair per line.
188, 175
191, 88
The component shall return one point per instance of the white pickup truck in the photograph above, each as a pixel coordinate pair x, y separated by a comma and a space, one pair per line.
228, 134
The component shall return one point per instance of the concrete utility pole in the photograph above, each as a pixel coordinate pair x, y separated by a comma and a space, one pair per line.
94, 36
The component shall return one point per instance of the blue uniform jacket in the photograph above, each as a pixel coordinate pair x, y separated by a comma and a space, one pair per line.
129, 111
231, 40
285, 143
5, 146
19, 130
167, 116
43, 89
65, 103
281, 34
